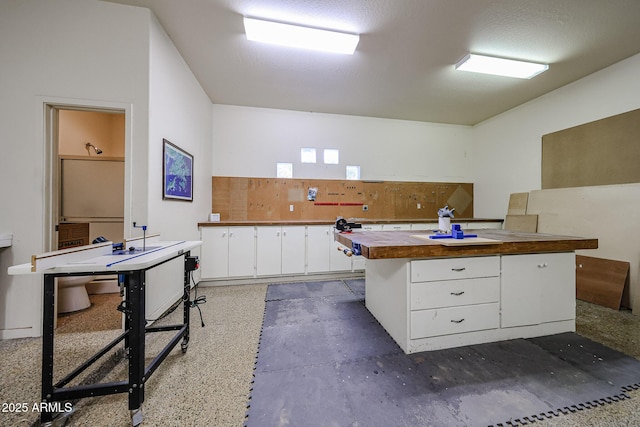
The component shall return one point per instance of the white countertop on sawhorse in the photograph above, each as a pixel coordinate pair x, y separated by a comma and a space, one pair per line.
100, 258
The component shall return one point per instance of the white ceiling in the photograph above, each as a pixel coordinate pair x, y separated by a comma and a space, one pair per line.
403, 67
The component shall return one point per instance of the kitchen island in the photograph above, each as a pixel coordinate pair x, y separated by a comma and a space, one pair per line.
432, 294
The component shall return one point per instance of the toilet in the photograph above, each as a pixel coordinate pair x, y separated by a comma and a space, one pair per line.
72, 293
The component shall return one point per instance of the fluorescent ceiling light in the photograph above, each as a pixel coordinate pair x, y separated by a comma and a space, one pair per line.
500, 67
300, 37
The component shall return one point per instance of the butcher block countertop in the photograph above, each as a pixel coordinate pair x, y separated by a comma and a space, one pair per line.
405, 244
228, 223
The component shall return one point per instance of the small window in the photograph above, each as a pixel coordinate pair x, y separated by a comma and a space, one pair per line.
331, 156
308, 155
284, 170
353, 172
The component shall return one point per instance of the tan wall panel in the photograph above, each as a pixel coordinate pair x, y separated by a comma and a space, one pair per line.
256, 199
602, 152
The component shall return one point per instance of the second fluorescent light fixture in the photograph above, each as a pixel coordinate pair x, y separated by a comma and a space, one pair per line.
500, 66
300, 37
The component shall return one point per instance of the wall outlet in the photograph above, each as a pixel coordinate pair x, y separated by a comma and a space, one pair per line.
365, 208
290, 208
419, 206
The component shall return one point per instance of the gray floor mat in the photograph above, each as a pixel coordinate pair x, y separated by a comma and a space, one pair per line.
324, 360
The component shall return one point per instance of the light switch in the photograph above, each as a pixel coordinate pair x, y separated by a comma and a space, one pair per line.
290, 208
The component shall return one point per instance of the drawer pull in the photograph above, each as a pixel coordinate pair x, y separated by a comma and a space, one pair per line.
543, 265
458, 269
457, 293
457, 321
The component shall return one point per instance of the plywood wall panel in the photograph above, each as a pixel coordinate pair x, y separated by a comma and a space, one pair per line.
241, 198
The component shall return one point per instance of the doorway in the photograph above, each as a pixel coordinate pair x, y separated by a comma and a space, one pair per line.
86, 197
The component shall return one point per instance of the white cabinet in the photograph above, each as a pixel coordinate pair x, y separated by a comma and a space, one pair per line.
425, 226
319, 245
396, 227
227, 252
242, 251
338, 261
534, 288
280, 250
293, 249
214, 253
436, 303
370, 227
268, 250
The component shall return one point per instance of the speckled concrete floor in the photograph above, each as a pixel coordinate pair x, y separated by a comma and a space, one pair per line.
210, 384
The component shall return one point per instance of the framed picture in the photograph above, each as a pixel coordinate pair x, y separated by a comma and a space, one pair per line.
177, 173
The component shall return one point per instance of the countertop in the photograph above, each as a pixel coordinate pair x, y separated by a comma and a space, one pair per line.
327, 222
403, 244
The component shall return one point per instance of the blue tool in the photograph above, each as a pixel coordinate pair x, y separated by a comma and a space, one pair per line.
456, 233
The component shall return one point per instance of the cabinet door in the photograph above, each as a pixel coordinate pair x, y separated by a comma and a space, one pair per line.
396, 227
268, 251
241, 251
293, 249
538, 288
558, 287
338, 261
520, 290
214, 262
319, 239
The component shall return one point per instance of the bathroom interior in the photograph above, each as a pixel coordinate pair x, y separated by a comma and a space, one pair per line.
91, 204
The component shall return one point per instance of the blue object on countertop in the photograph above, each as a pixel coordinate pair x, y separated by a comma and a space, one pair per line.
456, 233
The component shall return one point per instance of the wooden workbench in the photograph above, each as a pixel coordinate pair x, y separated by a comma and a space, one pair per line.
430, 296
404, 244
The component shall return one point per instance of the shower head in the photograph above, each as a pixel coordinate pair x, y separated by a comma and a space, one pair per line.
96, 149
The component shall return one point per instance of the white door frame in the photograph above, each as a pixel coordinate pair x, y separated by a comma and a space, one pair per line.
49, 107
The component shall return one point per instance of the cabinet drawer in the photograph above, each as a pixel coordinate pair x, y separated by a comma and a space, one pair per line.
452, 293
454, 320
428, 270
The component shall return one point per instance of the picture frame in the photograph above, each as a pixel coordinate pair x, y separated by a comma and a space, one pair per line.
177, 173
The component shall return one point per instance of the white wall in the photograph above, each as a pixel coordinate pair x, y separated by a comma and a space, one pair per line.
87, 52
507, 159
250, 141
180, 112
507, 149
56, 50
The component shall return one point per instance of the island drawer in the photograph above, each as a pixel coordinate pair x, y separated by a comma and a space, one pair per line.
454, 320
450, 293
428, 270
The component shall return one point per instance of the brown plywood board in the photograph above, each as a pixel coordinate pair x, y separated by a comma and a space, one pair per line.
518, 203
602, 152
601, 281
525, 223
242, 198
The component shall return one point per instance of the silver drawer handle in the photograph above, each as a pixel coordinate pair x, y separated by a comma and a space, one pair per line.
458, 269
457, 293
543, 265
457, 321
